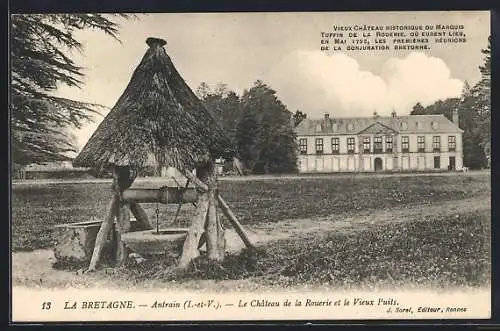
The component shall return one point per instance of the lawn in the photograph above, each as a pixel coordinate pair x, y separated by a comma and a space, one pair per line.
438, 252
425, 243
36, 208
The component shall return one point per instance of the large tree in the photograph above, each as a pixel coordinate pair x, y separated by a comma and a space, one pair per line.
265, 138
473, 152
40, 56
224, 104
482, 104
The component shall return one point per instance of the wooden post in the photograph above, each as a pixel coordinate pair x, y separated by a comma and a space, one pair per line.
122, 226
234, 221
123, 180
214, 231
103, 233
141, 217
190, 249
117, 208
225, 209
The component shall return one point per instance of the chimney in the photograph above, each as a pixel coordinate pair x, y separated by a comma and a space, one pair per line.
327, 116
292, 122
455, 116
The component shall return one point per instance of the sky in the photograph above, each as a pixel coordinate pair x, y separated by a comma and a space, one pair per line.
283, 50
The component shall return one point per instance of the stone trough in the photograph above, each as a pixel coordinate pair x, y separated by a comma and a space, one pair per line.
75, 241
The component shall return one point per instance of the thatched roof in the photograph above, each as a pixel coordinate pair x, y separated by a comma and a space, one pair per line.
158, 121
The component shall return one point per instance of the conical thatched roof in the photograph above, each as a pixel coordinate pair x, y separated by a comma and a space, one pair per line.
158, 121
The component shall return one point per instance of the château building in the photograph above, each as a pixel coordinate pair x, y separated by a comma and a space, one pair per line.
389, 143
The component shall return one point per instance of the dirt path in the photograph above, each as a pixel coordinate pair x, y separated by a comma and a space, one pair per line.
34, 268
296, 228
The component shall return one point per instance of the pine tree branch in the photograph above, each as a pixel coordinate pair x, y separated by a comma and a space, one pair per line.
39, 63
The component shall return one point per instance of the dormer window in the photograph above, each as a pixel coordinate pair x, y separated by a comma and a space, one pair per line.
318, 128
404, 125
350, 126
435, 125
335, 127
419, 125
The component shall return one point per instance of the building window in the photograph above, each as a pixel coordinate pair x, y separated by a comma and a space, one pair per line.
436, 143
452, 143
366, 144
350, 145
421, 143
303, 146
319, 145
437, 162
405, 144
388, 144
335, 145
377, 144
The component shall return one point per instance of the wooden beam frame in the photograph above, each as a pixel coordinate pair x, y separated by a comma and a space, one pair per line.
165, 195
118, 209
224, 208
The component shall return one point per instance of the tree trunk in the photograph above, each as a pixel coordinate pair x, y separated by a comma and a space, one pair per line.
190, 249
141, 217
215, 233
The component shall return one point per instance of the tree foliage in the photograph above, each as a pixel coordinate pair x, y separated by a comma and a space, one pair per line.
258, 124
265, 134
472, 152
474, 110
40, 55
482, 101
418, 109
224, 104
298, 117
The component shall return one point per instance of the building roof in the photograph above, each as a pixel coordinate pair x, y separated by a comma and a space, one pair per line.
376, 124
158, 121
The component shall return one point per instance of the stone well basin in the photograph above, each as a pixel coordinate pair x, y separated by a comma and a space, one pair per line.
151, 242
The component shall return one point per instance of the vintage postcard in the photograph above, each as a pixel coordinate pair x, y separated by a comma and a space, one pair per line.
250, 166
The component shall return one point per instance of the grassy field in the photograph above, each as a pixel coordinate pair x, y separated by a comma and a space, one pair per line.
437, 250
36, 208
